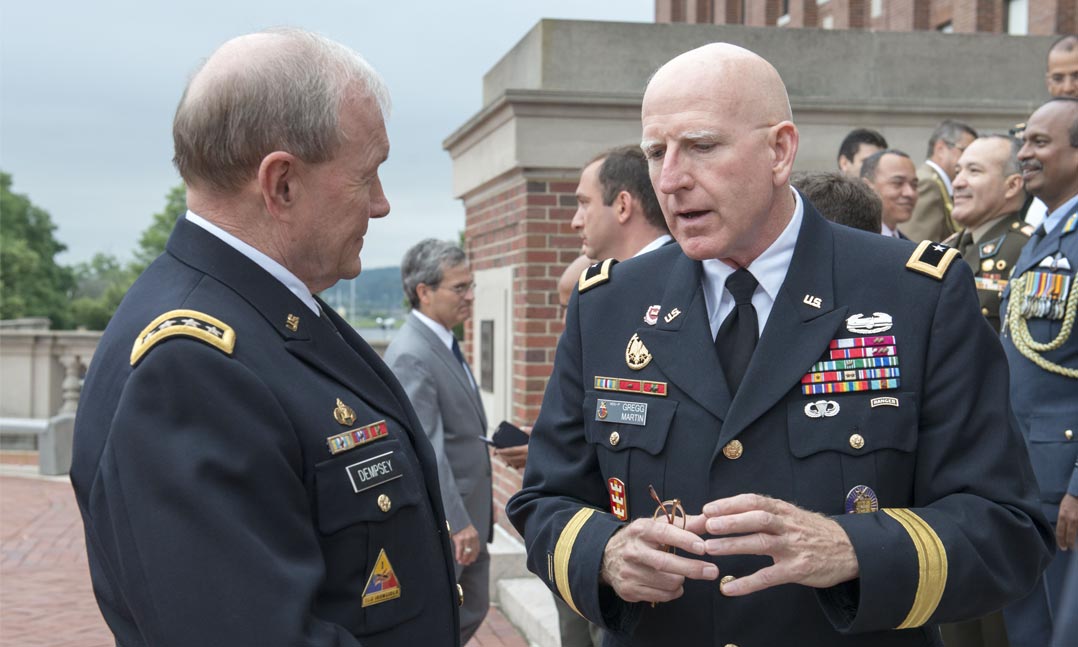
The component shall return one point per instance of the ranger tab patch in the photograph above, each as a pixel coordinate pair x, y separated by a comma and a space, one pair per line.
932, 259
382, 585
188, 323
596, 274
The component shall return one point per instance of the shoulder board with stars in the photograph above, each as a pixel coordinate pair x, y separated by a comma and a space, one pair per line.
932, 259
188, 323
596, 275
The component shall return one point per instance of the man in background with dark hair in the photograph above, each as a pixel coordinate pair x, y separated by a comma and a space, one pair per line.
931, 218
844, 200
856, 146
1040, 305
890, 173
617, 214
1062, 74
988, 196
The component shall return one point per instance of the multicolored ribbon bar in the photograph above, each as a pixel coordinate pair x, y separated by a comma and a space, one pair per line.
847, 364
849, 387
643, 387
849, 376
864, 351
857, 342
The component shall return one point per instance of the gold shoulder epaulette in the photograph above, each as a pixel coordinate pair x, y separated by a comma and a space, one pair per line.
932, 259
596, 275
189, 323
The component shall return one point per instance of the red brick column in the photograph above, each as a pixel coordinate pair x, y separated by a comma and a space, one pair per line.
524, 223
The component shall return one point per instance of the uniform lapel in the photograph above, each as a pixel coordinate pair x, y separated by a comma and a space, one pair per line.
699, 374
797, 333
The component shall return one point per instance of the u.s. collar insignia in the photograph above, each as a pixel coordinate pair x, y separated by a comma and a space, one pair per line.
343, 413
670, 316
637, 355
618, 506
876, 323
382, 585
651, 317
292, 322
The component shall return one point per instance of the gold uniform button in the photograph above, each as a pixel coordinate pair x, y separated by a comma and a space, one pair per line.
615, 438
730, 645
857, 441
726, 580
733, 450
384, 504
460, 596
984, 311
1068, 434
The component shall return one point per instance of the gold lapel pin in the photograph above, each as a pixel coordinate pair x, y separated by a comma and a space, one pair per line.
292, 322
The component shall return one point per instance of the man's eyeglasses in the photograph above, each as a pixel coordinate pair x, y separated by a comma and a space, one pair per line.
460, 289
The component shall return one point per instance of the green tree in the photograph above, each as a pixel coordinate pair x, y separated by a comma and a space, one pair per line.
100, 285
152, 241
32, 283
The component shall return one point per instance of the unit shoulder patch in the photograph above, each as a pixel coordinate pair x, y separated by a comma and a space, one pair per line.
596, 274
188, 323
932, 259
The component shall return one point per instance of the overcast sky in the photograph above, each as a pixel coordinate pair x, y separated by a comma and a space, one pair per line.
88, 90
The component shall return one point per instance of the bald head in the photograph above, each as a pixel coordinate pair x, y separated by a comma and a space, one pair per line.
720, 145
279, 90
722, 73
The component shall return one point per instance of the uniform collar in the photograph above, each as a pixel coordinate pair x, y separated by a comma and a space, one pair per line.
1053, 219
275, 269
946, 179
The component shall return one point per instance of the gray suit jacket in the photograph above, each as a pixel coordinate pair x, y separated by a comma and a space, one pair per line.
453, 418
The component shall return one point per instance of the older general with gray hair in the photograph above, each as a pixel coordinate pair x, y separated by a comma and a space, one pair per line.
248, 470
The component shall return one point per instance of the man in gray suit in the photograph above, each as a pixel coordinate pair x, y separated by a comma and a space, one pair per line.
427, 360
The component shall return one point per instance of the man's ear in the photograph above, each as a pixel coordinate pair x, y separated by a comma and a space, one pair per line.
278, 176
623, 206
783, 140
1012, 185
423, 293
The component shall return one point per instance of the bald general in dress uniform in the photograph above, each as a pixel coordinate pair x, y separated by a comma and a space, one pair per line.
248, 470
855, 400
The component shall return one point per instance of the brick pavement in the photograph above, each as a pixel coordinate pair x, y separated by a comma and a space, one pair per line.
45, 594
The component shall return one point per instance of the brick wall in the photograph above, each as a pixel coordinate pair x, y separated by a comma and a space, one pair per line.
1045, 16
524, 222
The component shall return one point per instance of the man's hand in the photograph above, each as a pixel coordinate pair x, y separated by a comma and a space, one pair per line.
466, 545
636, 565
1067, 523
515, 457
808, 548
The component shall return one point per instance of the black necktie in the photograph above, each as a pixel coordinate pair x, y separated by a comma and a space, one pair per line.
460, 358
736, 339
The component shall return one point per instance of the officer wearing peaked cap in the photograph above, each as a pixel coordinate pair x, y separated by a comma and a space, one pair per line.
248, 470
827, 487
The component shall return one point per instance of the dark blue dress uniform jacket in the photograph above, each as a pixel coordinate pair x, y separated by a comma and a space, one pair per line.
958, 532
1046, 403
215, 513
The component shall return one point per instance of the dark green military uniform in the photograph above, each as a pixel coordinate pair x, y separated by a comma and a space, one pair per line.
992, 258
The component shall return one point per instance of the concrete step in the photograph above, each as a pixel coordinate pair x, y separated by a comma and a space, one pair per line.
529, 605
507, 559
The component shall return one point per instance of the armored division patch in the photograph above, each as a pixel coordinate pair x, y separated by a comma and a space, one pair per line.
932, 259
186, 323
596, 274
382, 585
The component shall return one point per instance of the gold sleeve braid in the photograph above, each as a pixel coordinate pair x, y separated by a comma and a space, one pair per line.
931, 566
1024, 342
